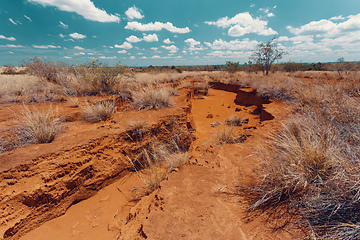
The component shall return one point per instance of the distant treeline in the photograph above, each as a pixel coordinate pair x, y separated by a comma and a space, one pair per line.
340, 66
250, 67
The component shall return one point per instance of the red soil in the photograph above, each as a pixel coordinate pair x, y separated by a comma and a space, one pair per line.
89, 161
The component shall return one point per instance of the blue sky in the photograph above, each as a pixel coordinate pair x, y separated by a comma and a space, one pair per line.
168, 32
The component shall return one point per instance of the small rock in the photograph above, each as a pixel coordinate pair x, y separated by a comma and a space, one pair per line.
210, 116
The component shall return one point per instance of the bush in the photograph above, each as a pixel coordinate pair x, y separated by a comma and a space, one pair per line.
45, 70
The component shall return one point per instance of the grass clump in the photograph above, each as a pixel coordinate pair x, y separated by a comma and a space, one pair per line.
152, 98
137, 130
228, 136
99, 111
37, 126
234, 120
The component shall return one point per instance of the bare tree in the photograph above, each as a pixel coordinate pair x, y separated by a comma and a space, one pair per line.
266, 53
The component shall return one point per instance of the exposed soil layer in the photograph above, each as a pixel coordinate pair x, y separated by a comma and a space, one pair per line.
246, 97
90, 185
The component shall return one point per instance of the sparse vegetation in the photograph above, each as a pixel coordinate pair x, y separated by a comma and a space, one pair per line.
228, 136
234, 120
99, 111
37, 126
152, 98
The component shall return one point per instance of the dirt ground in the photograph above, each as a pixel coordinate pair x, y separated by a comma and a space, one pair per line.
82, 186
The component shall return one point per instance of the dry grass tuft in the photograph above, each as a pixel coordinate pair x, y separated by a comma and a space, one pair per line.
137, 130
37, 126
152, 98
234, 120
228, 136
99, 111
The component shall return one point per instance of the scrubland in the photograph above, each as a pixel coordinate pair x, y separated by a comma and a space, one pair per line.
308, 169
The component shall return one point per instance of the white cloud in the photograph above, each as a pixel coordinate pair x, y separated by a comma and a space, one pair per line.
167, 41
155, 56
243, 23
63, 25
157, 26
103, 57
193, 45
283, 39
67, 57
132, 57
45, 46
12, 46
244, 44
28, 18
144, 57
12, 21
337, 18
171, 49
326, 27
85, 8
7, 38
125, 45
154, 48
122, 51
192, 42
151, 38
79, 48
134, 12
229, 54
61, 35
252, 5
133, 39
77, 35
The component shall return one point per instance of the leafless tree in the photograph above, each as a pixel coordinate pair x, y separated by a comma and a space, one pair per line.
266, 53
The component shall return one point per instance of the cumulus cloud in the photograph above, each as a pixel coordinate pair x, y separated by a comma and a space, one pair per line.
63, 25
156, 26
133, 39
167, 41
125, 45
79, 48
45, 46
122, 51
243, 23
194, 45
171, 49
77, 35
327, 27
7, 38
134, 12
151, 38
244, 44
192, 42
85, 8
